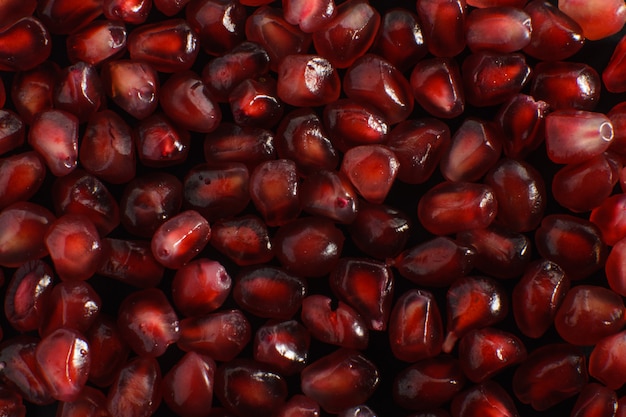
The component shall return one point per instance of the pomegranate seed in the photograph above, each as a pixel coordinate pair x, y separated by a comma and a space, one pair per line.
566, 85
71, 305
299, 406
134, 12
349, 34
521, 120
339, 380
233, 143
108, 350
606, 362
21, 177
170, 7
329, 194
25, 44
67, 16
595, 399
54, 135
496, 3
132, 85
437, 86
188, 386
244, 240
180, 239
612, 74
498, 29
550, 374
14, 10
614, 267
32, 90
429, 383
255, 102
609, 218
200, 287
282, 345
443, 25
307, 80
415, 328
617, 116
537, 296
372, 169
436, 263
220, 336
11, 403
147, 322
484, 399
350, 123
74, 245
334, 322
98, 42
219, 24
131, 262
137, 388
309, 16
79, 91
269, 292
359, 410
274, 190
11, 131
90, 403
169, 45
598, 19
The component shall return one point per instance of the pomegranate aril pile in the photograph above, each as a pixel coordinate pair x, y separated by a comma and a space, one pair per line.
313, 207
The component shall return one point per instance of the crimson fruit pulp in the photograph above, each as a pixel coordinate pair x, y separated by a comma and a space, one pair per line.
239, 208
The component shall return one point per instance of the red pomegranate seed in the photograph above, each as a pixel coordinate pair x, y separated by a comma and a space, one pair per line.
14, 10
550, 374
609, 218
496, 3
436, 262
274, 190
132, 85
367, 286
54, 135
79, 91
188, 386
170, 7
598, 19
217, 190
27, 294
443, 25
131, 262
493, 78
220, 336
372, 169
349, 34
501, 29
612, 76
219, 24
415, 327
573, 243
307, 80
169, 45
20, 370
374, 80
247, 387
555, 35
309, 16
329, 194
147, 322
614, 267
485, 352
100, 41
185, 99
566, 85
11, 131
521, 120
588, 313
234, 143
137, 388
244, 240
475, 148
484, 399
269, 292
75, 247
472, 303
23, 226
451, 207
11, 403
32, 90
350, 123
90, 403
255, 102
418, 145
108, 351
301, 137
200, 287
70, 305
67, 16
24, 45
359, 410
180, 239
400, 39
606, 363
334, 322
520, 192
595, 399
267, 27
63, 359
584, 186
282, 345
148, 201
299, 406
380, 231
134, 12
429, 383
221, 75
339, 380
437, 86
537, 296
617, 116
21, 177
83, 194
